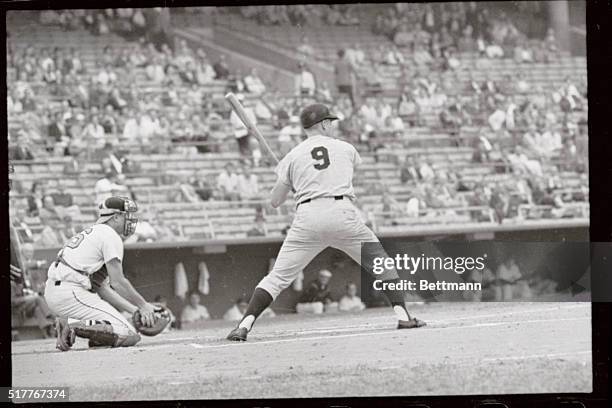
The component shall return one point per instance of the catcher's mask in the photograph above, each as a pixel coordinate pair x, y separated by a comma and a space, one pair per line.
119, 205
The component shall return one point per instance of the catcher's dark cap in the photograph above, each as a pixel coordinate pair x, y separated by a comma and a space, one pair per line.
315, 113
114, 205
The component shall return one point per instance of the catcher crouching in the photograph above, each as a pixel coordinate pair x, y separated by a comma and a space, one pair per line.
78, 288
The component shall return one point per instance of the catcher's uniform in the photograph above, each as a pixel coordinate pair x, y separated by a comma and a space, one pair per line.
69, 291
320, 171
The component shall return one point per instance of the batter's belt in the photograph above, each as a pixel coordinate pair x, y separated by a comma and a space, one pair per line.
310, 199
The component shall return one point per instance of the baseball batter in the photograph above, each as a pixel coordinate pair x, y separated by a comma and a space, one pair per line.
78, 282
320, 172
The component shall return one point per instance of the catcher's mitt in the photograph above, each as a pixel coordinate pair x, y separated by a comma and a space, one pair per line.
162, 319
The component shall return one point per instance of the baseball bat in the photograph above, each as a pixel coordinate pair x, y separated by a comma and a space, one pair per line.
239, 109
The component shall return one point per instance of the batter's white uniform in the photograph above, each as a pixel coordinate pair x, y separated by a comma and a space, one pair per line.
320, 169
68, 292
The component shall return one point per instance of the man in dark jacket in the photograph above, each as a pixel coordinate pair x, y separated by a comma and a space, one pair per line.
316, 298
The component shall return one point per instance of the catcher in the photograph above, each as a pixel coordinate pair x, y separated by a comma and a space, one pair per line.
79, 283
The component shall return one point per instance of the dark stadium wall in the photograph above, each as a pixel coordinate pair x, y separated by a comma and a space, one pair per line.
236, 269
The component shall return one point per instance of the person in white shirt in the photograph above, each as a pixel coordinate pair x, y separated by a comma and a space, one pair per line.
94, 131
549, 142
131, 128
253, 83
155, 71
144, 232
289, 135
227, 182
248, 184
149, 125
305, 83
194, 313
107, 187
497, 119
205, 73
350, 302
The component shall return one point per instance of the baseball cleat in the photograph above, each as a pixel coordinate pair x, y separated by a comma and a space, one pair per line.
238, 334
410, 324
65, 334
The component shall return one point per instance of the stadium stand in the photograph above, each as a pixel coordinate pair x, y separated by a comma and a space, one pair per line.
449, 161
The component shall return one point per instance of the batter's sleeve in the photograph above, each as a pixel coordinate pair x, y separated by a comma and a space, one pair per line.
283, 171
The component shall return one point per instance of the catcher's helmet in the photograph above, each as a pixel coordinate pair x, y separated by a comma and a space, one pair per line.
119, 205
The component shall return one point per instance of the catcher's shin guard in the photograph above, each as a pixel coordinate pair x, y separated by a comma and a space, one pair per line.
128, 340
101, 334
98, 332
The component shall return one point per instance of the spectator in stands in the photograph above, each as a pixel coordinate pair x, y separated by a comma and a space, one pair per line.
106, 186
425, 169
409, 170
254, 84
52, 234
205, 73
324, 93
421, 56
23, 149
356, 55
116, 100
221, 68
94, 132
350, 302
305, 49
61, 198
131, 128
317, 298
393, 124
35, 198
144, 232
374, 80
248, 184
149, 127
466, 42
451, 116
408, 109
345, 76
551, 45
227, 182
165, 232
497, 119
549, 142
451, 62
108, 121
305, 83
403, 37
521, 164
290, 135
194, 314
57, 129
48, 209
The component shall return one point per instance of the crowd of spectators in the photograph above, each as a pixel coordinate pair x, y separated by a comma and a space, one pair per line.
302, 14
166, 109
